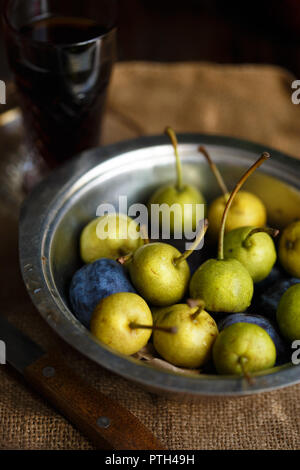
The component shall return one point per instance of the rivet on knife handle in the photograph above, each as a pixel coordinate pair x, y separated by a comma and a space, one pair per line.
107, 424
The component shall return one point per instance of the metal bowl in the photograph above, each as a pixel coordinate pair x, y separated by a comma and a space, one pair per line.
56, 211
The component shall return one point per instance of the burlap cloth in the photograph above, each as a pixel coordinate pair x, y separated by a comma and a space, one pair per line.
253, 102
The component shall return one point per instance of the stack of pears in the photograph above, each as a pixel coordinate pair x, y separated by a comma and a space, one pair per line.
152, 296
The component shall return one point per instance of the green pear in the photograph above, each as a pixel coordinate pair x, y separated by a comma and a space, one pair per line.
288, 313
184, 215
289, 249
191, 346
254, 248
225, 285
114, 319
243, 348
186, 197
246, 210
123, 237
160, 273
156, 275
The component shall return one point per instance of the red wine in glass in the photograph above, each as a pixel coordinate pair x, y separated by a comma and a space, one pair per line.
62, 66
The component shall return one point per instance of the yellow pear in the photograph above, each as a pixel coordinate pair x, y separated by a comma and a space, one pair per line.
121, 236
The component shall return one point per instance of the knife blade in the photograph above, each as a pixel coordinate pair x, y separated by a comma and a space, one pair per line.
105, 422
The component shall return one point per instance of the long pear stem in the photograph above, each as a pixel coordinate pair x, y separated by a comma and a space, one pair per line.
171, 134
273, 232
215, 170
249, 172
165, 329
199, 237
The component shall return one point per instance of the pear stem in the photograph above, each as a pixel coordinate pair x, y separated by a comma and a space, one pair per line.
273, 232
215, 170
195, 315
192, 303
165, 329
171, 134
124, 259
243, 361
243, 179
199, 237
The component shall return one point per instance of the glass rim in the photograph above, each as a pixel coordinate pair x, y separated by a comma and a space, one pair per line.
18, 33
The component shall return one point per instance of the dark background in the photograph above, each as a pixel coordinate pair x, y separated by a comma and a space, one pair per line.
264, 31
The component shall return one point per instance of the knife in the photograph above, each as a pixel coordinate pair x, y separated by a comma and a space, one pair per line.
105, 422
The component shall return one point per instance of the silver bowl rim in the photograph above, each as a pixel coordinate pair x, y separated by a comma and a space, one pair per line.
34, 217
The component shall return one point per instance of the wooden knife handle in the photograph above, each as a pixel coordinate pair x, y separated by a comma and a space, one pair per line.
107, 424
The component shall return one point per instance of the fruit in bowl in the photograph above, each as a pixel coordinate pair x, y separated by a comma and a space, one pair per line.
196, 332
130, 296
49, 245
109, 236
243, 348
183, 198
114, 319
254, 248
282, 350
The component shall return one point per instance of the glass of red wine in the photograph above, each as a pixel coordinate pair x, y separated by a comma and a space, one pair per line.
61, 53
